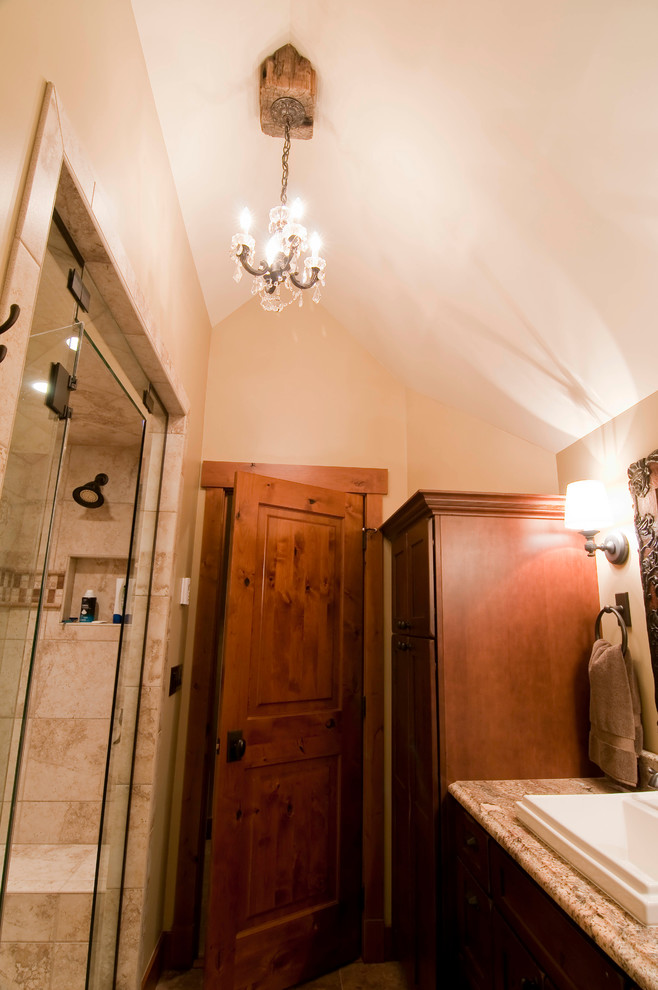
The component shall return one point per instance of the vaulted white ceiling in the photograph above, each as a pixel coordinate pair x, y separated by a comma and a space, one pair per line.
484, 174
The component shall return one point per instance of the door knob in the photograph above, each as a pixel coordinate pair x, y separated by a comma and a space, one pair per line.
235, 746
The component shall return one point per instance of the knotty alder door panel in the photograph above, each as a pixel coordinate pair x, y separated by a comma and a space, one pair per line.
295, 659
286, 853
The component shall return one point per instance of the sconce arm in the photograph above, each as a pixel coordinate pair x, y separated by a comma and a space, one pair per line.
614, 546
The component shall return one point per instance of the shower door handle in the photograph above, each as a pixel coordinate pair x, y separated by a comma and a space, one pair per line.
118, 724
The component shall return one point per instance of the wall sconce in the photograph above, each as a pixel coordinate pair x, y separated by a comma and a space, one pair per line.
587, 510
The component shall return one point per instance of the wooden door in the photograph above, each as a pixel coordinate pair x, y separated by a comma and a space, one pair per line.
286, 847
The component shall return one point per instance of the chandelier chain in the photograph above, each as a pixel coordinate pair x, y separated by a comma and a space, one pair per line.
283, 266
284, 162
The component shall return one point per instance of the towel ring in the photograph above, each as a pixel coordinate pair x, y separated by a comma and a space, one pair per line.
620, 621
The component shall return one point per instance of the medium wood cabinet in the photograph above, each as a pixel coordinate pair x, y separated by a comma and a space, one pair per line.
493, 610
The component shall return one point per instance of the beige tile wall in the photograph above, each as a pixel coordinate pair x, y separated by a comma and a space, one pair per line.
62, 748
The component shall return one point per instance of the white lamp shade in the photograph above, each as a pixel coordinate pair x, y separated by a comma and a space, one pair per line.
587, 508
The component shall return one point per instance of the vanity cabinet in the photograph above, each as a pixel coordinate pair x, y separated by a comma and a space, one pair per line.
493, 610
510, 934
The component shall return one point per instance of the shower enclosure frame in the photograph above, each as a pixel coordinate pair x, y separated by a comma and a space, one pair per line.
59, 169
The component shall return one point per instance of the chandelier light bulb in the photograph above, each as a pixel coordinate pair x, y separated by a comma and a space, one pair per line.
272, 248
297, 210
315, 243
245, 220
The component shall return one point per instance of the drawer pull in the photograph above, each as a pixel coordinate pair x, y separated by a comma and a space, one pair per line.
403, 625
472, 901
471, 841
403, 646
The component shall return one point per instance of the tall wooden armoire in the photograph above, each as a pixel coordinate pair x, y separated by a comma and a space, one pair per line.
494, 605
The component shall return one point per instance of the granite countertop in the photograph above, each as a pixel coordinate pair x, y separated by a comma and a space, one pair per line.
634, 947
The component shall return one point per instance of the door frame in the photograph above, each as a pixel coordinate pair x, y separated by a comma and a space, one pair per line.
217, 478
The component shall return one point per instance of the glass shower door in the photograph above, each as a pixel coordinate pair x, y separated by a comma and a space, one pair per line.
130, 444
78, 519
26, 506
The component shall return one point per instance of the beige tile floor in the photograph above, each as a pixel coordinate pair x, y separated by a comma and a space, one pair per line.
356, 976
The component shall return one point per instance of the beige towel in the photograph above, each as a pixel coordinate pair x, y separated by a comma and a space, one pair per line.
615, 737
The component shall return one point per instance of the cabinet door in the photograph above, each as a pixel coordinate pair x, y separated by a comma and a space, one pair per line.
413, 580
425, 772
470, 843
415, 809
400, 583
402, 809
565, 952
514, 968
473, 909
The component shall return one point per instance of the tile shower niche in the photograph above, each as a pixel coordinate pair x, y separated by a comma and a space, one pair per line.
100, 574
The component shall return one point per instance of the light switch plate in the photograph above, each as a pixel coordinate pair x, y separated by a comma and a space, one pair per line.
184, 591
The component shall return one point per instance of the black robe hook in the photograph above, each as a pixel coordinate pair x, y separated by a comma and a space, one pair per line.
14, 313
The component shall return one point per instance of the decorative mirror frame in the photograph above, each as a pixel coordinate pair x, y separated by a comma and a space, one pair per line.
643, 485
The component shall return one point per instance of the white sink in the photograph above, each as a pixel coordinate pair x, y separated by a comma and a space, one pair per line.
611, 838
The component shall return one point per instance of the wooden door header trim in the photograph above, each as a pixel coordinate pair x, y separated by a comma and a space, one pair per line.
360, 481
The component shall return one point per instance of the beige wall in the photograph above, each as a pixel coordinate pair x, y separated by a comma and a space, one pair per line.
447, 449
606, 454
91, 52
297, 387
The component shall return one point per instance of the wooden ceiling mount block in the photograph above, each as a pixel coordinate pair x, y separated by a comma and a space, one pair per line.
287, 75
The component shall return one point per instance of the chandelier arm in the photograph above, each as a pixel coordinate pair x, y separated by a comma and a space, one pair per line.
305, 285
257, 272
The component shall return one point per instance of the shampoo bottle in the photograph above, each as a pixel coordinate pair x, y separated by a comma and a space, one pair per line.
88, 607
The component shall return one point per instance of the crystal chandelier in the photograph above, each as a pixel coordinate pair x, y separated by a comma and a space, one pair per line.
283, 267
